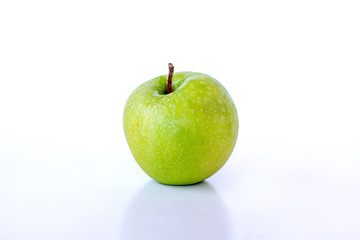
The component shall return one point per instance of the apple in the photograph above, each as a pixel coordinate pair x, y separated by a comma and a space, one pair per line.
181, 128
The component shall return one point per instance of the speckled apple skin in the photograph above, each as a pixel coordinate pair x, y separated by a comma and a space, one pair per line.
183, 137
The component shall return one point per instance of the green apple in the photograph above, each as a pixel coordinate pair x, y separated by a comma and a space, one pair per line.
180, 128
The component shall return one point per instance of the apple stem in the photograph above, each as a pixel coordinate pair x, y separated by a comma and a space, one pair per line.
169, 83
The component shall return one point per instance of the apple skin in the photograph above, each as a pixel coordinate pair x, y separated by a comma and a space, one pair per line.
183, 137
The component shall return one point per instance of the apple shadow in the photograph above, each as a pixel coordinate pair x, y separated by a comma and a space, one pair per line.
176, 212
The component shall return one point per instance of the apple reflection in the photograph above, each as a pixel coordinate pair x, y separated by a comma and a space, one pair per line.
176, 212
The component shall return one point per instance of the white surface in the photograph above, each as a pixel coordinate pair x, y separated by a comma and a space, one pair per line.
67, 68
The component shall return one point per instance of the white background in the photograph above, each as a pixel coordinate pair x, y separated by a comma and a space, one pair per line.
68, 67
